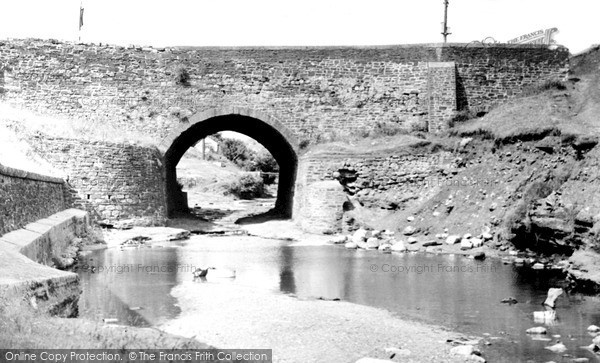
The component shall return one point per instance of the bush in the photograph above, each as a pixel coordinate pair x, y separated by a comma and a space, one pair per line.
247, 186
236, 151
264, 162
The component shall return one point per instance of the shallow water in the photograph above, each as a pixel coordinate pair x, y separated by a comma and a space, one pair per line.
452, 291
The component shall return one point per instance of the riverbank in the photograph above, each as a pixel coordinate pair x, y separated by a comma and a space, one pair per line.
304, 330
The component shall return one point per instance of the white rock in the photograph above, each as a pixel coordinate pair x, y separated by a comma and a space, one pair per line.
557, 348
536, 330
452, 239
596, 340
513, 253
438, 236
409, 230
362, 245
410, 218
399, 247
411, 240
467, 236
477, 242
359, 236
593, 329
544, 317
486, 236
465, 244
519, 261
373, 243
464, 350
553, 294
538, 266
351, 245
436, 214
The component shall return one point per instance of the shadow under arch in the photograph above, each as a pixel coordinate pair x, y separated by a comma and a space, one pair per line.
268, 132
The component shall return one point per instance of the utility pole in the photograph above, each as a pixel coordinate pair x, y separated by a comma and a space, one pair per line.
445, 32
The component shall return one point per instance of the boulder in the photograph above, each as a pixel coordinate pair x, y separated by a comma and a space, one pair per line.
373, 243
487, 236
476, 242
479, 256
399, 247
411, 240
538, 266
351, 245
465, 244
544, 317
464, 350
553, 294
359, 236
557, 348
467, 236
409, 230
452, 239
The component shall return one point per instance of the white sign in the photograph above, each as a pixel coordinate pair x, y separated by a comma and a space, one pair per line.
542, 36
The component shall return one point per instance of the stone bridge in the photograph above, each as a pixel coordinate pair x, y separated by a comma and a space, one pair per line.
284, 97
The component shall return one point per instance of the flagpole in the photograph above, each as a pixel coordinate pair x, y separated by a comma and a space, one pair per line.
80, 19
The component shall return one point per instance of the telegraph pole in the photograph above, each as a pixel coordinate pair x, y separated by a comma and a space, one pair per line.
445, 32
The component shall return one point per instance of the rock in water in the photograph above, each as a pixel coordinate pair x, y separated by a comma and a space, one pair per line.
536, 330
553, 294
593, 329
557, 348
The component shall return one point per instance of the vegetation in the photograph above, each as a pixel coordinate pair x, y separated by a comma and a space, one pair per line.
240, 154
247, 186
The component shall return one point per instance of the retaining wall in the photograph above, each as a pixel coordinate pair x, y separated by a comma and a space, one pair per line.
26, 197
26, 256
113, 181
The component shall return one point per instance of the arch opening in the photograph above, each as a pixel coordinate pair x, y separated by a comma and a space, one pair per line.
267, 135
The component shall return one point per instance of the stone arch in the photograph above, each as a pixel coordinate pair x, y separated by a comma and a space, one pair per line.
268, 131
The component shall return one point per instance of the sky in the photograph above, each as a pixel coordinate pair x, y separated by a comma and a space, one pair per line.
290, 22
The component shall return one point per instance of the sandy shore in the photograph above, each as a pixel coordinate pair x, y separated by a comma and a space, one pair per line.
228, 316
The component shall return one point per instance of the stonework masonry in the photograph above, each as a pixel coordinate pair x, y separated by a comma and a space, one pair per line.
26, 197
113, 181
314, 91
381, 180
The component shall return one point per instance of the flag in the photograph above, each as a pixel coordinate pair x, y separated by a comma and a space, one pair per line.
80, 17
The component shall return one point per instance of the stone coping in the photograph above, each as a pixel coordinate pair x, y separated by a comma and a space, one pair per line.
22, 174
22, 279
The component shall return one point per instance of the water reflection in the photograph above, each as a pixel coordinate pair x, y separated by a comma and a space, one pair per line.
450, 290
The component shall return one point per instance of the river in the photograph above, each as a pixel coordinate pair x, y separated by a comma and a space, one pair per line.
134, 286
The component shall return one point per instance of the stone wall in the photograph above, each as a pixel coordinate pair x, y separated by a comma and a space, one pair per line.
387, 180
317, 92
26, 197
113, 181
